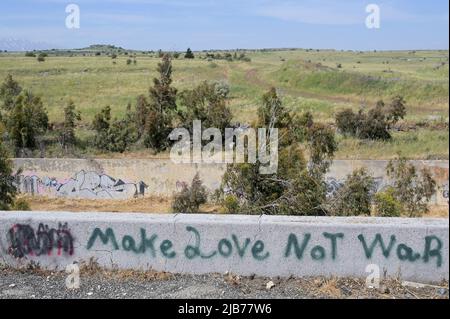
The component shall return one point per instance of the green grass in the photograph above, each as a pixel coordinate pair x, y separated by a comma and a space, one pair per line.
421, 144
305, 85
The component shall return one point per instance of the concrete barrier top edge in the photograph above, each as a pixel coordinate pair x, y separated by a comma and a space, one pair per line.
231, 219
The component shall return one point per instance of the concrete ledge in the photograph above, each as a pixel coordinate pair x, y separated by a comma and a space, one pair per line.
414, 249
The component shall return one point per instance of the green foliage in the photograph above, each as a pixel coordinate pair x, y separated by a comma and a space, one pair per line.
41, 57
355, 196
9, 90
293, 189
206, 104
222, 89
28, 121
412, 189
231, 204
189, 199
71, 117
375, 124
162, 108
30, 54
113, 136
189, 54
302, 124
21, 205
272, 114
322, 145
348, 122
386, 205
8, 190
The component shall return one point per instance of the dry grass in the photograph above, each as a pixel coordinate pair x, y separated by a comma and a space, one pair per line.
329, 287
151, 205
437, 211
138, 205
92, 268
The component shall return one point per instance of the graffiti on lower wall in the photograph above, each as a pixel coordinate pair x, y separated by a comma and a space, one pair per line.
25, 241
84, 185
332, 247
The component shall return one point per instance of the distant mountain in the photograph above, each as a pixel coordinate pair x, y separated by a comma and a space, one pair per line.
102, 47
11, 44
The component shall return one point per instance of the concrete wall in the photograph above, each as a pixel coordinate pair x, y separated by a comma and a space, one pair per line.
118, 179
414, 249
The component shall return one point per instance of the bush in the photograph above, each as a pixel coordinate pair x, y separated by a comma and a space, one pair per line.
189, 199
375, 124
113, 136
28, 121
231, 204
9, 90
189, 54
41, 57
347, 122
21, 205
355, 196
222, 89
8, 190
386, 205
412, 189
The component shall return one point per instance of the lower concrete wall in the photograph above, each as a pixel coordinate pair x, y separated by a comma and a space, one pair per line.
414, 249
124, 179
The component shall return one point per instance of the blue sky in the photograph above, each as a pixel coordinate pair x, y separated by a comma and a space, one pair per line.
228, 24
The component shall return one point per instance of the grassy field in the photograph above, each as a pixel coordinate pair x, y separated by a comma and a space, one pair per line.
322, 82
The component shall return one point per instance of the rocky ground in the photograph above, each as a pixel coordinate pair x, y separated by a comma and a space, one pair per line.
95, 283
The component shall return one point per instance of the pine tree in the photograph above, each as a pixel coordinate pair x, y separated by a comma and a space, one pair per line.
71, 116
28, 120
162, 107
9, 90
189, 54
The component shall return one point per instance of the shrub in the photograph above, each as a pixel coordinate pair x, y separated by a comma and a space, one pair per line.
28, 121
71, 117
294, 188
322, 145
189, 199
231, 204
412, 189
355, 196
189, 54
113, 136
222, 89
41, 57
375, 124
386, 205
162, 108
206, 104
8, 190
347, 122
21, 205
9, 90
